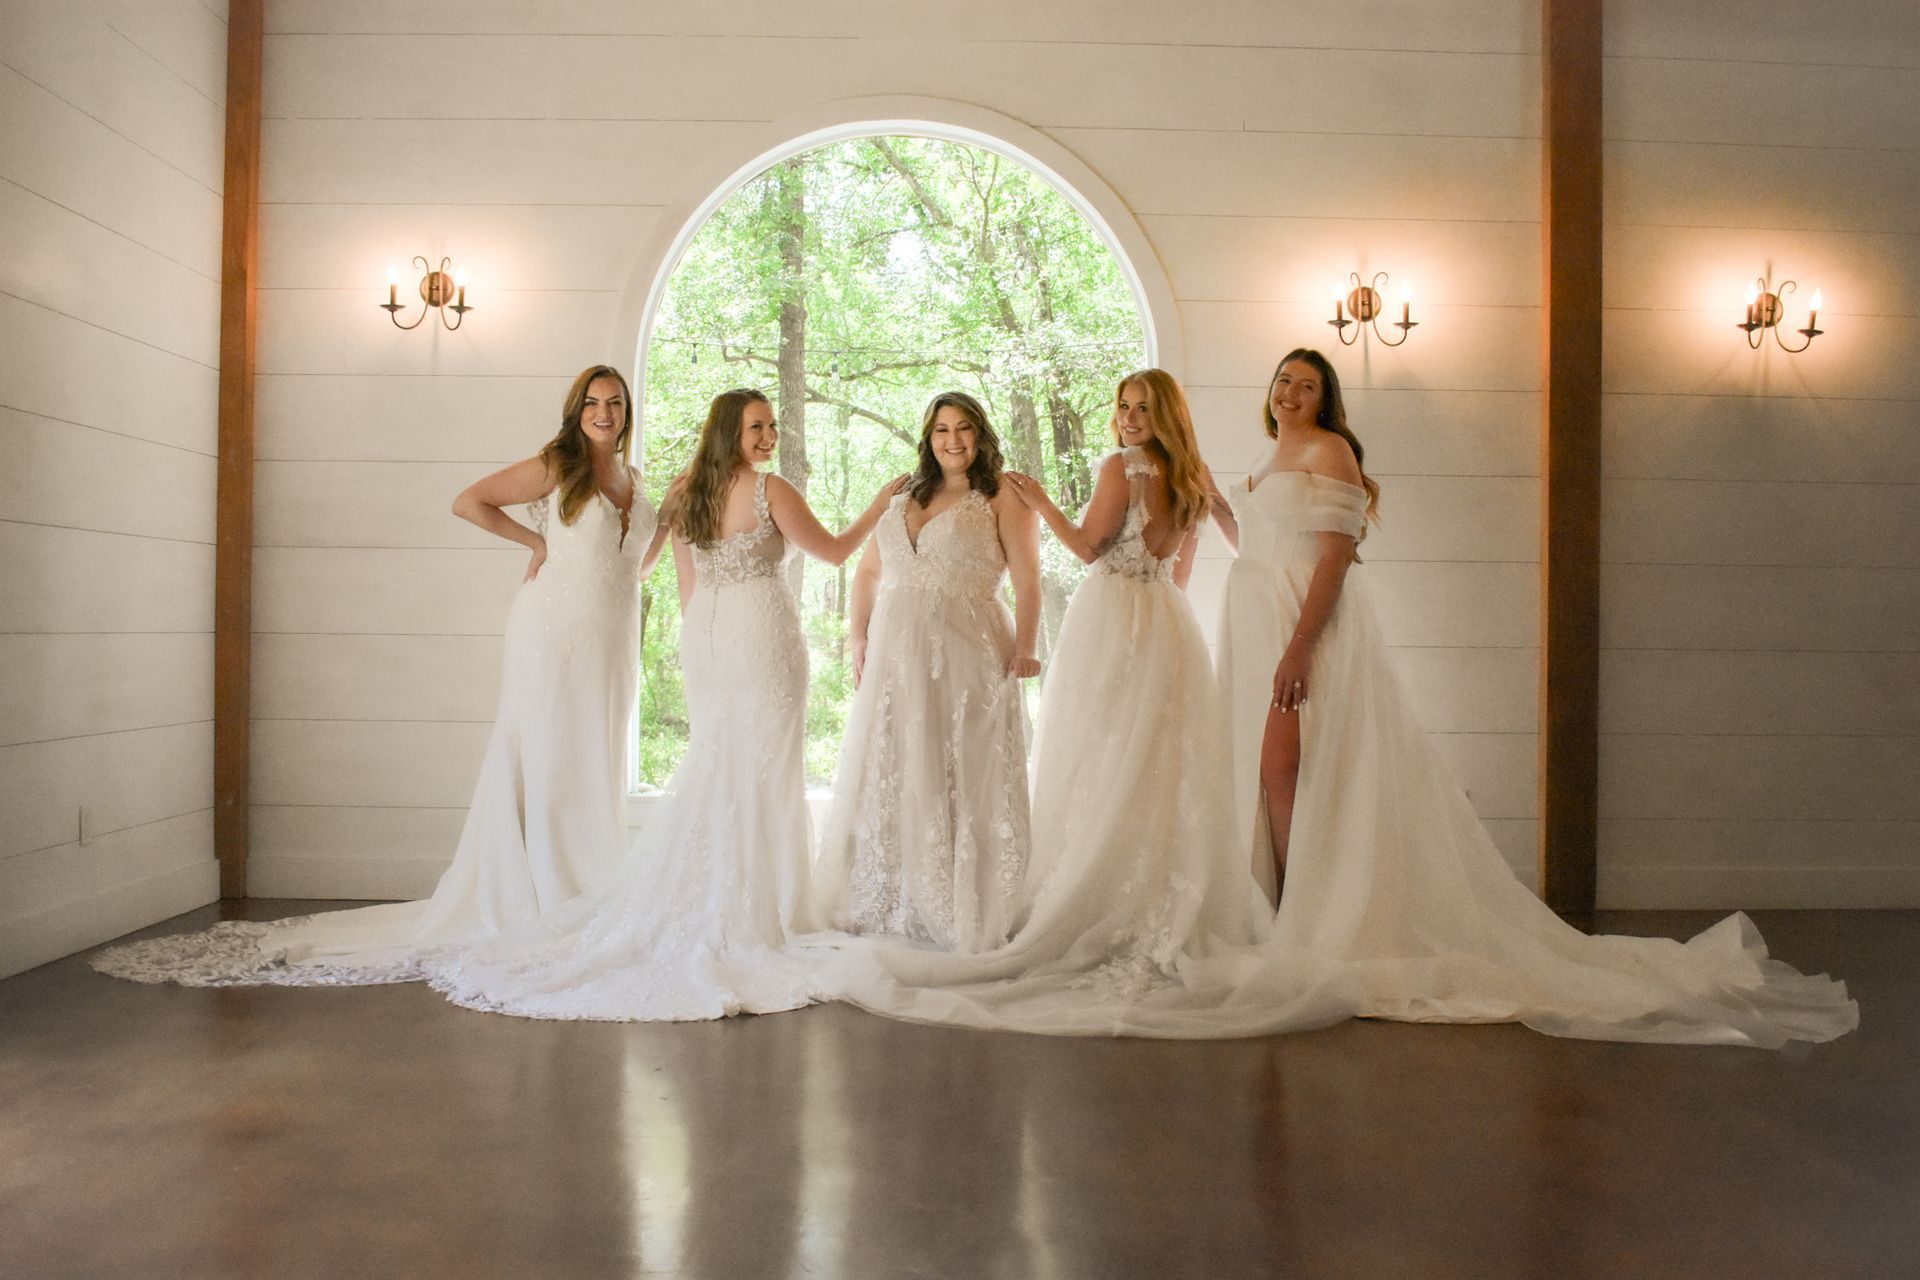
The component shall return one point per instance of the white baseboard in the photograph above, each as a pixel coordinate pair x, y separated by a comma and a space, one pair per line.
35, 939
406, 875
1629, 888
1735, 888
353, 879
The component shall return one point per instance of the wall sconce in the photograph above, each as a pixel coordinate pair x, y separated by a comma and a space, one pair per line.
437, 288
1363, 300
1765, 310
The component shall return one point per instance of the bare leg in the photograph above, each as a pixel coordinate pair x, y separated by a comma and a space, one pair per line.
1279, 773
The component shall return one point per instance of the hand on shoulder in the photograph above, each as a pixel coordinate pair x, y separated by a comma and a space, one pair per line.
1021, 485
1017, 496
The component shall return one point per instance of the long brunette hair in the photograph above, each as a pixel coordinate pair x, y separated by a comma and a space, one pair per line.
567, 455
1332, 416
715, 458
983, 473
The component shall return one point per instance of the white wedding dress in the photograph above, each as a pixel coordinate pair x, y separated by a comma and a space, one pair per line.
928, 835
694, 925
1391, 873
548, 818
1136, 870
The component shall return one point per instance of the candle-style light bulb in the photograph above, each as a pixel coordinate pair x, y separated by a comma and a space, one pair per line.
393, 285
1753, 304
1813, 312
1406, 301
1339, 300
460, 284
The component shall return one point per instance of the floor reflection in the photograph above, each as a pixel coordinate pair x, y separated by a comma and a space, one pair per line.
711, 1132
382, 1132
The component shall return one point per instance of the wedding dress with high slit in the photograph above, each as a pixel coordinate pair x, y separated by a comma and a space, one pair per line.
1390, 872
928, 835
1135, 869
696, 923
548, 817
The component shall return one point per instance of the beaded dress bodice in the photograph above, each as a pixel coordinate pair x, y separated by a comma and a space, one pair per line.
754, 553
1127, 555
957, 552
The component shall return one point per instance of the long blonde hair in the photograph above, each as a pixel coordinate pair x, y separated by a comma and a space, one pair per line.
567, 455
1172, 424
715, 458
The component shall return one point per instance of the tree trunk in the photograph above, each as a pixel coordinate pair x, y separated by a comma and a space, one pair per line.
792, 211
843, 427
1023, 434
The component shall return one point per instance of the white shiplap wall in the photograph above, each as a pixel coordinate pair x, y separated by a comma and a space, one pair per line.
111, 129
1760, 698
1263, 153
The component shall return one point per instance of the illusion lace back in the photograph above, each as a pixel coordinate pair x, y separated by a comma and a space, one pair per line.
548, 817
694, 924
1390, 871
928, 834
1134, 869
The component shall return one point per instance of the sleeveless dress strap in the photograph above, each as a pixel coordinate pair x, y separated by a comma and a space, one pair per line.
760, 496
1138, 462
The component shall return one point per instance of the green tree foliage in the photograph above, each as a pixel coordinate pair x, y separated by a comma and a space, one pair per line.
852, 283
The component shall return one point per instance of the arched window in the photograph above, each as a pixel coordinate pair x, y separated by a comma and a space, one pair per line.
852, 281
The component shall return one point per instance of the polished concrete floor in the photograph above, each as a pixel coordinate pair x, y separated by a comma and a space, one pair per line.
149, 1132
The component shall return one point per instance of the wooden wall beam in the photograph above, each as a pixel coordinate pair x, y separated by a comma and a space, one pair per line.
233, 553
1569, 774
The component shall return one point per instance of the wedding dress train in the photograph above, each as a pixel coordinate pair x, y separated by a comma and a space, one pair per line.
1391, 873
696, 923
548, 817
1135, 870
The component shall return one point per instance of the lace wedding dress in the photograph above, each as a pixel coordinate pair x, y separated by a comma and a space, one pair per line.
1135, 866
548, 818
928, 835
1390, 871
695, 923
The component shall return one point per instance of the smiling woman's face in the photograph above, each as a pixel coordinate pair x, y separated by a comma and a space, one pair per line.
1296, 394
953, 440
1133, 414
603, 413
758, 435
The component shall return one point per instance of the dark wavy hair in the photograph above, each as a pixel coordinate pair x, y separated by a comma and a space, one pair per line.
567, 455
983, 473
1332, 416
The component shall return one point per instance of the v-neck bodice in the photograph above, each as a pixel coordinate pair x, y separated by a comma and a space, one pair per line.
958, 551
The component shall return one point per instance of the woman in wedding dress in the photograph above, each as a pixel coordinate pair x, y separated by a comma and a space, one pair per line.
1384, 866
928, 835
1135, 867
548, 818
695, 923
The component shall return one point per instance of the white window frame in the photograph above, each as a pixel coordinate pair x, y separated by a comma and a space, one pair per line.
729, 169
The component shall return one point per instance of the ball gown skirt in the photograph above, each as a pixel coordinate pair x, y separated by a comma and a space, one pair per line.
928, 835
1391, 873
1135, 869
